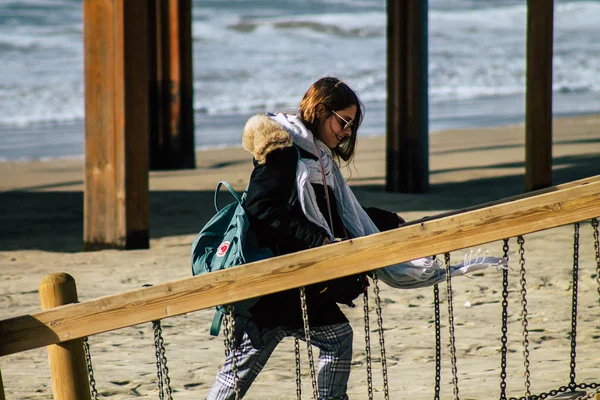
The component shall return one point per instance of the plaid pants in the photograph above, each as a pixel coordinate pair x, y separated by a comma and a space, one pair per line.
335, 355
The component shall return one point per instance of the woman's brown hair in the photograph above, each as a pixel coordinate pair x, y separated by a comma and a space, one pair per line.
334, 95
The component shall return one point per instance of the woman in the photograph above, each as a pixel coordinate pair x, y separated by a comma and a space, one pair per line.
291, 209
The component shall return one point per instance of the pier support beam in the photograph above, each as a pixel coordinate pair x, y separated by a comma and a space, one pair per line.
116, 59
67, 360
407, 165
172, 111
538, 119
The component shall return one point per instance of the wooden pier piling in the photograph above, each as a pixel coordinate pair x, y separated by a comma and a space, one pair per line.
538, 115
116, 59
407, 140
172, 86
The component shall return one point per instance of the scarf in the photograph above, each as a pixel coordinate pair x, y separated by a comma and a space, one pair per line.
308, 172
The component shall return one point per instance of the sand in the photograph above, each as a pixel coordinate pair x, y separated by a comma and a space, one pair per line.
41, 233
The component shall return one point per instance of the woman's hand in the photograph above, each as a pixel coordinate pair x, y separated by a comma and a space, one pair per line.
401, 221
327, 241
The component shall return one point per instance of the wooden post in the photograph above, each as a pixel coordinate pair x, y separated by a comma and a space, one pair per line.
538, 120
172, 127
407, 168
2, 395
116, 59
67, 360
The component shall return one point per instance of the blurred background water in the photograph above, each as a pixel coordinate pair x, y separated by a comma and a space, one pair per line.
257, 55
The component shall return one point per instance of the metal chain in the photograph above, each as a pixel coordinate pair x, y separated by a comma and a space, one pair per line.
232, 345
228, 340
368, 345
589, 395
88, 361
159, 371
386, 388
298, 376
504, 339
564, 389
451, 325
572, 375
164, 382
595, 387
311, 360
438, 342
521, 242
226, 335
597, 253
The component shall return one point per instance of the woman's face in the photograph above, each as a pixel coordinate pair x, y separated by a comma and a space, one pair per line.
332, 128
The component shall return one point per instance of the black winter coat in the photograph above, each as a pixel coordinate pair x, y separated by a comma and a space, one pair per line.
281, 225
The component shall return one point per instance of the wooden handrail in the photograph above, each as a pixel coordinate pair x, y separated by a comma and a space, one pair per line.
572, 203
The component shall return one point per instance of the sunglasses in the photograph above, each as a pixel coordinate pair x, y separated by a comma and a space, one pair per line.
343, 123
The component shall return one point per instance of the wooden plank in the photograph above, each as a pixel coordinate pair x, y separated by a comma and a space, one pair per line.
172, 130
407, 165
538, 121
116, 106
575, 203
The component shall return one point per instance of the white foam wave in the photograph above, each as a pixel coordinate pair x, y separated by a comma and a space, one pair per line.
267, 63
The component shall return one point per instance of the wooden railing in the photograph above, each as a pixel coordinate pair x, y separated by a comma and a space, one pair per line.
556, 206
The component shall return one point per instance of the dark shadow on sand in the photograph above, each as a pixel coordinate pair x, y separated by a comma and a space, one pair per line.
53, 221
511, 146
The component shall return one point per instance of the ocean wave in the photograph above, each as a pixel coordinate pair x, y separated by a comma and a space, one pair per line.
568, 15
334, 29
345, 25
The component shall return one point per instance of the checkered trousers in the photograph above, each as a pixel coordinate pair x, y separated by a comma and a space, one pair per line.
335, 355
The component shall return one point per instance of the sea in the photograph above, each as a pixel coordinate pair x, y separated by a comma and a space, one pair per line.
261, 55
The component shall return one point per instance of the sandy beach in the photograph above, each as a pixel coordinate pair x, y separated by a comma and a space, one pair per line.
41, 229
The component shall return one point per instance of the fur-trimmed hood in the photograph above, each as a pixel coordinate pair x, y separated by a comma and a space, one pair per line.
263, 135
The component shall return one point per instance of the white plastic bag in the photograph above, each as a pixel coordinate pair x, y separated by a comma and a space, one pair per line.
427, 271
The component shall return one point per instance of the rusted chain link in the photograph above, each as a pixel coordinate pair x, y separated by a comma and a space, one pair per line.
311, 360
504, 339
565, 389
525, 323
298, 375
162, 371
597, 253
368, 346
451, 326
230, 347
589, 395
386, 388
575, 287
438, 342
90, 369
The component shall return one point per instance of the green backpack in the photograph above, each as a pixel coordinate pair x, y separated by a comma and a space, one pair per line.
224, 242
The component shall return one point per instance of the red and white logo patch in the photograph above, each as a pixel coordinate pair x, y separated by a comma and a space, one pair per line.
223, 249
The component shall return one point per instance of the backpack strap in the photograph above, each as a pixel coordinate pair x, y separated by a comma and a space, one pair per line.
231, 190
215, 327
